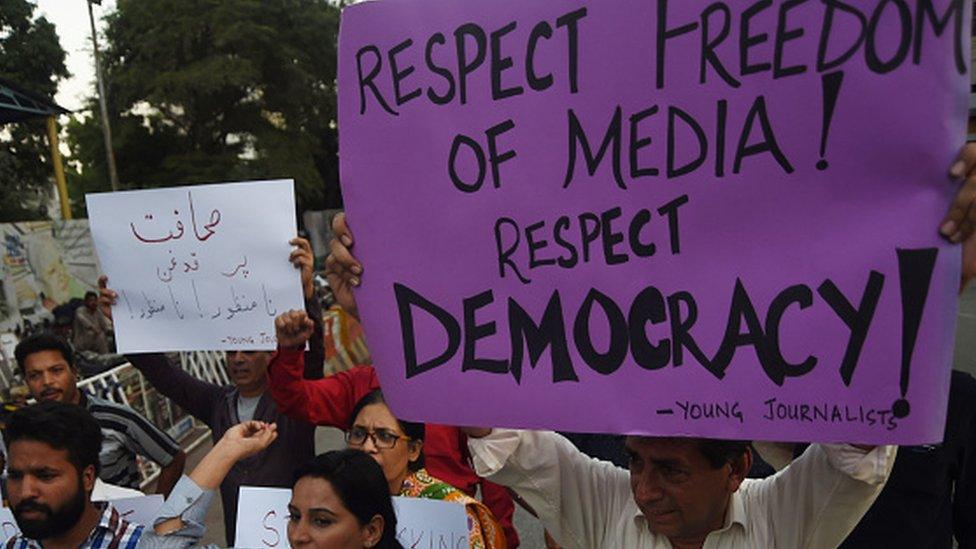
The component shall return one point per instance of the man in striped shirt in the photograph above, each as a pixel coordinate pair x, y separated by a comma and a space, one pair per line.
47, 363
54, 461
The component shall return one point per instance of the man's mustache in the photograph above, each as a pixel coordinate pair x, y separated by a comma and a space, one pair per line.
31, 505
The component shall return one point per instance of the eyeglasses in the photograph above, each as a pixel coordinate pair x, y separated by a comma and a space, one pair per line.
383, 439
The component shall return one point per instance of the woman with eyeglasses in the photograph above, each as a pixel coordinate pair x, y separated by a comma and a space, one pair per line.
398, 447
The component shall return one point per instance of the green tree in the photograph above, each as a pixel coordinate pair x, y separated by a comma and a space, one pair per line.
30, 56
217, 90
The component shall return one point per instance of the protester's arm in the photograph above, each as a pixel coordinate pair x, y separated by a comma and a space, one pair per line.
959, 224
303, 258
341, 268
103, 325
243, 440
328, 401
85, 321
148, 441
183, 513
193, 395
577, 498
183, 519
820, 497
315, 355
170, 474
777, 454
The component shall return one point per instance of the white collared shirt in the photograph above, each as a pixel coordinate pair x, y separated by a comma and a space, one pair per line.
587, 503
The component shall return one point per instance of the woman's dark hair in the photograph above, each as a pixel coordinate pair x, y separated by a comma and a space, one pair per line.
416, 431
61, 426
359, 482
43, 341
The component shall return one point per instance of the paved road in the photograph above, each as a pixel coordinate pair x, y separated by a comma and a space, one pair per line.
529, 528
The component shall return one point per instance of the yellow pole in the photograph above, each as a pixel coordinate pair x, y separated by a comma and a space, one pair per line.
52, 139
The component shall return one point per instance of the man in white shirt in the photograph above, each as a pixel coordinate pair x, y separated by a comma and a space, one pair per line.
680, 492
683, 492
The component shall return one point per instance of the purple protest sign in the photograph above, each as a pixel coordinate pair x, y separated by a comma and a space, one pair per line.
672, 218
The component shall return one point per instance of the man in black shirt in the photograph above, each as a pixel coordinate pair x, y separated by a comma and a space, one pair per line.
931, 493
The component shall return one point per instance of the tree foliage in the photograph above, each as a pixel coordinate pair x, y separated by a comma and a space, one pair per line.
218, 90
30, 56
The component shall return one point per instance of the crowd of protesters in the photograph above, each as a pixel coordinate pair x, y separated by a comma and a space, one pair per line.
71, 453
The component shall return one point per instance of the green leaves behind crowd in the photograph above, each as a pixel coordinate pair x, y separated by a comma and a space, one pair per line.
216, 90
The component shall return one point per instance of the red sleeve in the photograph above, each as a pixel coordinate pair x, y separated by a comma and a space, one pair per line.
499, 501
328, 401
447, 458
444, 459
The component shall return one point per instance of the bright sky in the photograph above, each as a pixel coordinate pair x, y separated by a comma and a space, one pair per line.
70, 17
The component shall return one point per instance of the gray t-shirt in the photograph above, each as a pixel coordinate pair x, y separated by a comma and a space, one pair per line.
246, 406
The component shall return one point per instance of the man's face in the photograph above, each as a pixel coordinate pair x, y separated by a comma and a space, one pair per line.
91, 303
50, 378
680, 493
248, 369
47, 493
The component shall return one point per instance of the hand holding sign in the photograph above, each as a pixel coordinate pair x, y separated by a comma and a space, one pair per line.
342, 269
301, 257
729, 245
106, 297
476, 432
196, 268
960, 222
958, 226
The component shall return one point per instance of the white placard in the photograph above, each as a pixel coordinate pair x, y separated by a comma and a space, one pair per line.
262, 520
8, 524
431, 523
198, 268
140, 509
137, 510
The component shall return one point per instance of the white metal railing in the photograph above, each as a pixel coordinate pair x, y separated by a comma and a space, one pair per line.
206, 365
108, 385
111, 385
